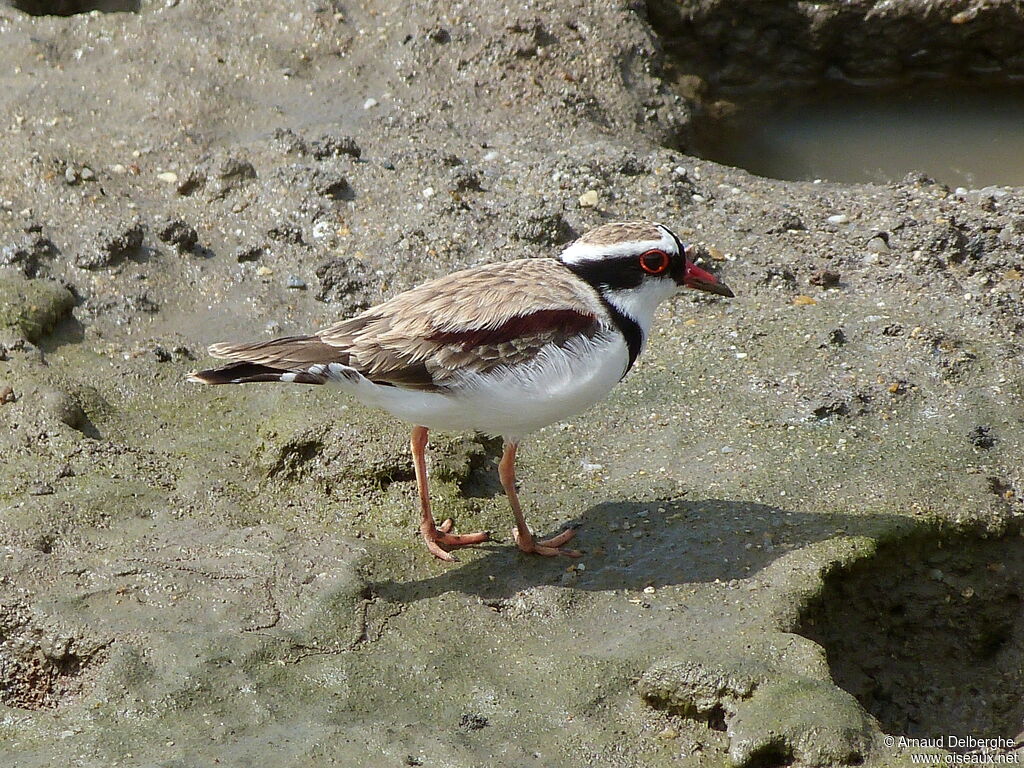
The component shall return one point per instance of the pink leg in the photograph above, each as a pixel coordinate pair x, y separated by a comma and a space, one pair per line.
522, 533
438, 538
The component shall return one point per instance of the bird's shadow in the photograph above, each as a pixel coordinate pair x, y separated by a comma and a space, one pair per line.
631, 545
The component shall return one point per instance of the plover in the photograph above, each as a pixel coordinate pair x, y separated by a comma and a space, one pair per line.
503, 349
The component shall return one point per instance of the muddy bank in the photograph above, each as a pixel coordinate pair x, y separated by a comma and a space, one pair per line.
235, 574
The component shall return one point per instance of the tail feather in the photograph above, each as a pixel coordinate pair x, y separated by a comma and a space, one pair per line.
246, 372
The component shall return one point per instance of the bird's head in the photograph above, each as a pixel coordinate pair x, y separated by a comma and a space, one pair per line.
635, 265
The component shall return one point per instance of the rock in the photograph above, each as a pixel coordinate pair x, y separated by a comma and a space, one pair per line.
786, 220
223, 173
335, 145
31, 308
776, 274
981, 437
699, 688
810, 721
344, 281
464, 180
194, 180
836, 337
331, 184
543, 224
177, 233
29, 254
589, 199
248, 253
234, 169
109, 246
439, 35
288, 142
473, 722
772, 696
286, 233
826, 278
878, 244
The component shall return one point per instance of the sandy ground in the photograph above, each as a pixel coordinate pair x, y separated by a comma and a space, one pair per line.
788, 490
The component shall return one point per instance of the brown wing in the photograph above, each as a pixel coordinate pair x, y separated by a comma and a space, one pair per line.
475, 320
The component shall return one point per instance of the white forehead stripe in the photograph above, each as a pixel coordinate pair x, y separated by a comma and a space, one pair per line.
580, 251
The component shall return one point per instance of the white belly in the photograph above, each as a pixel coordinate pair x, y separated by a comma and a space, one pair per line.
513, 402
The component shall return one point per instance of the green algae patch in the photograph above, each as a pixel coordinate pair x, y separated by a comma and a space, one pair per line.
31, 308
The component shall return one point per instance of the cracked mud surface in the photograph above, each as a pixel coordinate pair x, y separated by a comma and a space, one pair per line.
234, 574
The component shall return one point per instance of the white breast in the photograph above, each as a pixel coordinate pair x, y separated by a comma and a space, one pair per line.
510, 402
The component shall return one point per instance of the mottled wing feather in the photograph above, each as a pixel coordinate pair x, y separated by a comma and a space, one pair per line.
475, 320
290, 353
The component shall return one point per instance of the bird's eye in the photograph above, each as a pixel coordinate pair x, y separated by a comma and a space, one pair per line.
654, 262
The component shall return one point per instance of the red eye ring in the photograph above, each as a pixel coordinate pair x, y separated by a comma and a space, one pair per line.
654, 262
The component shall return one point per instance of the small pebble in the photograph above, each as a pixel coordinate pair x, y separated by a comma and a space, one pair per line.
878, 245
803, 301
87, 174
649, 590
264, 271
588, 199
70, 176
249, 253
428, 192
826, 278
296, 282
369, 103
169, 177
839, 218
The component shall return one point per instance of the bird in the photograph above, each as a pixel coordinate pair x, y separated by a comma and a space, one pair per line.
501, 349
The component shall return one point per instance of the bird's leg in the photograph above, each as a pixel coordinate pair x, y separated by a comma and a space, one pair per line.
438, 538
522, 533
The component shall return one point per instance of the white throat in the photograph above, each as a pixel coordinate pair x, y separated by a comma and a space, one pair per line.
640, 303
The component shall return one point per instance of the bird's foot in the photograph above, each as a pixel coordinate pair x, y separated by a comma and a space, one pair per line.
439, 540
548, 547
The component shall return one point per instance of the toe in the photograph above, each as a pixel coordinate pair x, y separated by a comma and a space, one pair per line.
440, 554
560, 539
